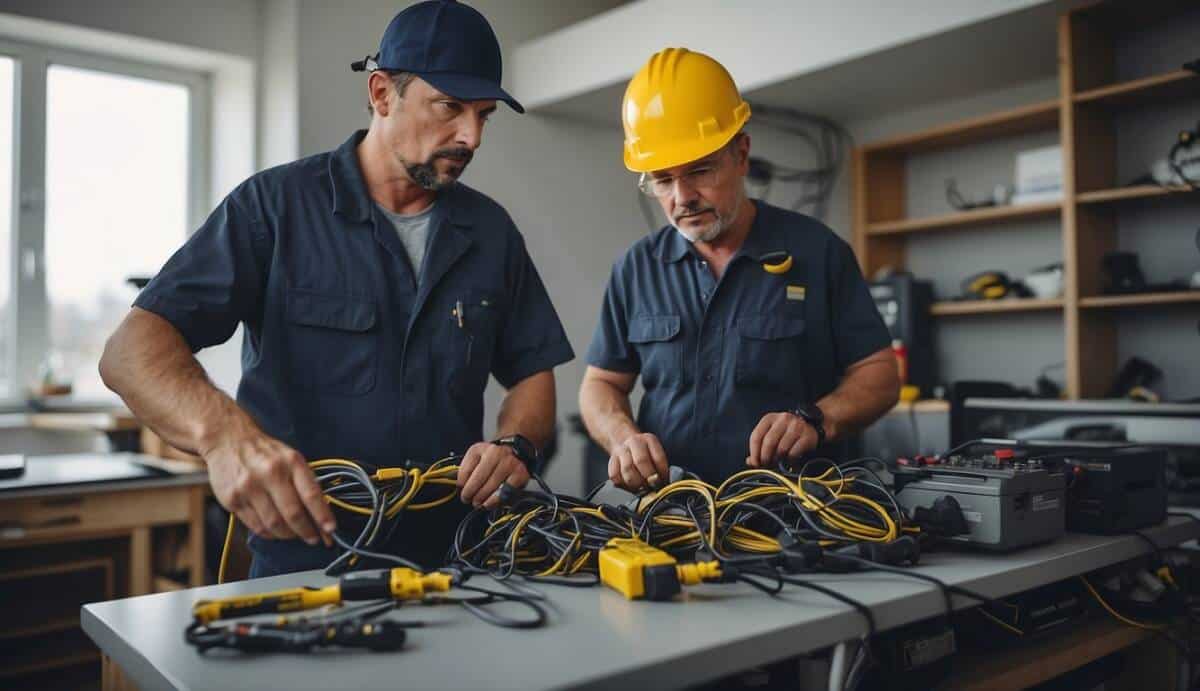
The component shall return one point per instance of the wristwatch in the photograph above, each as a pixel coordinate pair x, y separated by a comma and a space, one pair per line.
522, 448
811, 414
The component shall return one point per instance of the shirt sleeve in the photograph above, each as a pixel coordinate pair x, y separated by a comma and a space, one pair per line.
610, 348
214, 281
858, 329
532, 338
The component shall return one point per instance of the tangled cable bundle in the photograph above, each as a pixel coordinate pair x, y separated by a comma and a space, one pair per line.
380, 496
541, 535
550, 537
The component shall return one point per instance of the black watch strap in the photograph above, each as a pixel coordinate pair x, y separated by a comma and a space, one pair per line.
522, 448
815, 419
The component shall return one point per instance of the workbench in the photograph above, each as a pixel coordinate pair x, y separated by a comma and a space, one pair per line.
597, 639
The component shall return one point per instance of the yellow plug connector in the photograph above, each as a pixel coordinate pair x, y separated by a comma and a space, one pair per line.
642, 572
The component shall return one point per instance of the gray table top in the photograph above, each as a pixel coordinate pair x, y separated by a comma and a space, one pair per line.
89, 473
596, 638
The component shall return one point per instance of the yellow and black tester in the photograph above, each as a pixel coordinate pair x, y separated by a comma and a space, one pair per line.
396, 584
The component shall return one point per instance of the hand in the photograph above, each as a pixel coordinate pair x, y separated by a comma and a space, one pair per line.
778, 435
483, 469
269, 487
638, 462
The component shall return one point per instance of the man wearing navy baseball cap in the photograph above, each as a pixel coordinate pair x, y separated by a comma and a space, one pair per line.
377, 297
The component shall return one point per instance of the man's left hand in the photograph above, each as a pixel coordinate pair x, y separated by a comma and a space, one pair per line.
483, 469
779, 435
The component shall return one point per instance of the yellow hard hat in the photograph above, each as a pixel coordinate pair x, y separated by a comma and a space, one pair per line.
679, 107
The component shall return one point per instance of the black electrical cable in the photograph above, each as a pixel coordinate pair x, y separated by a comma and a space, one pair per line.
479, 607
860, 607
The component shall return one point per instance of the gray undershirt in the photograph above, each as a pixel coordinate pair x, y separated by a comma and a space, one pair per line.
414, 234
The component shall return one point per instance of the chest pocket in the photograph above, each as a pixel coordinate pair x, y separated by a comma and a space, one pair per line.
660, 348
770, 354
471, 341
333, 343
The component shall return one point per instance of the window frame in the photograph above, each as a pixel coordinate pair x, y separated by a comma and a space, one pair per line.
28, 326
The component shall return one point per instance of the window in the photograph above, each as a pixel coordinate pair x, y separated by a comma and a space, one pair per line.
102, 173
7, 147
116, 204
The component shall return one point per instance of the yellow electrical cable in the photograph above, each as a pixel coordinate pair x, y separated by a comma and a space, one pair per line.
441, 472
1000, 622
225, 549
1117, 615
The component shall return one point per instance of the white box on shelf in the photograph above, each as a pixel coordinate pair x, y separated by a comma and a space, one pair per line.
1039, 197
1039, 170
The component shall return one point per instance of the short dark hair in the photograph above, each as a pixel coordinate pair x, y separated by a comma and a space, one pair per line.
401, 81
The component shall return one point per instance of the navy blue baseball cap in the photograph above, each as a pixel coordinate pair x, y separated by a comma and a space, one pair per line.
447, 44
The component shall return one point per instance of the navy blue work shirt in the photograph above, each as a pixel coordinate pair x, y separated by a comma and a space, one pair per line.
715, 356
345, 355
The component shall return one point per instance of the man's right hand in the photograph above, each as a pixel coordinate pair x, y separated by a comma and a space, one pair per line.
270, 488
638, 462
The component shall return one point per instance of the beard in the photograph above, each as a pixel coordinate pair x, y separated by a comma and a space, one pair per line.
426, 175
707, 232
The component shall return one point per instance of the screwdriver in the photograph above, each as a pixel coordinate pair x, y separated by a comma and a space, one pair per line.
398, 584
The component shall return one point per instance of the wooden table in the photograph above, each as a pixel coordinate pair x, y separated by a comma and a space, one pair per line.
65, 544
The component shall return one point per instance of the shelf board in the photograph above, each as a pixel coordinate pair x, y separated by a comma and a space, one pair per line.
963, 307
1036, 117
49, 626
1033, 662
1121, 194
48, 663
1154, 89
1171, 298
961, 219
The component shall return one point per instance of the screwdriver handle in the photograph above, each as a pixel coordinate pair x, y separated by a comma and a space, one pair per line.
288, 600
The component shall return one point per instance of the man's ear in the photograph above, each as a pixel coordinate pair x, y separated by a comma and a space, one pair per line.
743, 152
379, 90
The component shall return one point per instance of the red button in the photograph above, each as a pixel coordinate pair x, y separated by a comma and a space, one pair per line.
1004, 454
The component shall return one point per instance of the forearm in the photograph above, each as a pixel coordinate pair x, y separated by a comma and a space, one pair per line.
149, 365
868, 390
528, 409
606, 413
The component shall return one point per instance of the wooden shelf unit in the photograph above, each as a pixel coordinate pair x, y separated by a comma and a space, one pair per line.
1084, 115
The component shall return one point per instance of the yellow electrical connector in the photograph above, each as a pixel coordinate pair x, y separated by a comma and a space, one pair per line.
641, 572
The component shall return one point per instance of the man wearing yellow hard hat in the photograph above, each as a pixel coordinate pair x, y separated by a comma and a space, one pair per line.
751, 326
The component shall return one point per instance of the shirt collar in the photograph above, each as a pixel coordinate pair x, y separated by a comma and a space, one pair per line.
350, 197
674, 246
763, 236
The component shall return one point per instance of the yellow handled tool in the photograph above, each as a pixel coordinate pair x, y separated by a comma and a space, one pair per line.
397, 584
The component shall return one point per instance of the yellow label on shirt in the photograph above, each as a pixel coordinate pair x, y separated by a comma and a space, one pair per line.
795, 292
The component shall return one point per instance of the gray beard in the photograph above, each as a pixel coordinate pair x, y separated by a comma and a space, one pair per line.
713, 230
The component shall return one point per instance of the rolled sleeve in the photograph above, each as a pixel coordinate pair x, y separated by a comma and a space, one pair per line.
858, 329
532, 338
610, 348
214, 281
